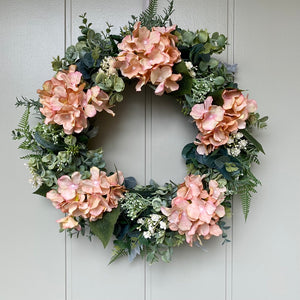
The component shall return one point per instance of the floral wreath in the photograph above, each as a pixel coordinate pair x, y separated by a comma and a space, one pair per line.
145, 220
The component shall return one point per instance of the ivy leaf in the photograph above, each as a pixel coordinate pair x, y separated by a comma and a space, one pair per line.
251, 139
104, 228
42, 190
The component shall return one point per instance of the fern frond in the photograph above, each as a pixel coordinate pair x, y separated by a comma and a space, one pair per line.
168, 12
25, 145
246, 200
117, 253
23, 124
246, 188
150, 12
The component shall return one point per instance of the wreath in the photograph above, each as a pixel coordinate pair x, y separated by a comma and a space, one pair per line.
145, 220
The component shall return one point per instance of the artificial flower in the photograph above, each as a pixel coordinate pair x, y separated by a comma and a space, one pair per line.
216, 123
146, 54
195, 211
88, 198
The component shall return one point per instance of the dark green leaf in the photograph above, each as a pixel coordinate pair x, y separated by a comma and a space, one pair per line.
181, 68
42, 190
188, 151
185, 86
48, 145
104, 228
130, 182
251, 139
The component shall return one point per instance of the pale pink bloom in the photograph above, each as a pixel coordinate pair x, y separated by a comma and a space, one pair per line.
147, 52
215, 123
98, 100
165, 80
237, 106
68, 222
65, 103
98, 182
67, 187
71, 79
195, 211
89, 198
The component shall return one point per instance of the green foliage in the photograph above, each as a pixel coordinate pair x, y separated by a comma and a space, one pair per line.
255, 120
23, 132
118, 251
138, 223
251, 139
42, 190
104, 228
150, 18
28, 103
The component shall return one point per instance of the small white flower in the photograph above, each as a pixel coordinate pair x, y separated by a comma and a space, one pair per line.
162, 225
193, 73
230, 140
151, 229
141, 221
155, 218
235, 151
243, 143
239, 135
189, 65
147, 234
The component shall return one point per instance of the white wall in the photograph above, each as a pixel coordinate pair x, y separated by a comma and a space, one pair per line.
261, 263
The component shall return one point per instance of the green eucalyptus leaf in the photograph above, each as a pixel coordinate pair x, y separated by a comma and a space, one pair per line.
231, 167
264, 119
221, 40
203, 66
219, 80
80, 45
203, 36
104, 228
90, 34
188, 37
119, 84
84, 30
215, 35
213, 63
81, 38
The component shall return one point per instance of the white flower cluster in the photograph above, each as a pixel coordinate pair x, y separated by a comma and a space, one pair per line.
107, 66
35, 180
236, 143
153, 225
191, 68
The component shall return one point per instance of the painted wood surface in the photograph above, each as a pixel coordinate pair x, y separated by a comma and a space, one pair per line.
32, 260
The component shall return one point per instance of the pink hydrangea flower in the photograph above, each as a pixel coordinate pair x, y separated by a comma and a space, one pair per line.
88, 198
68, 223
150, 55
98, 100
195, 212
65, 103
215, 123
